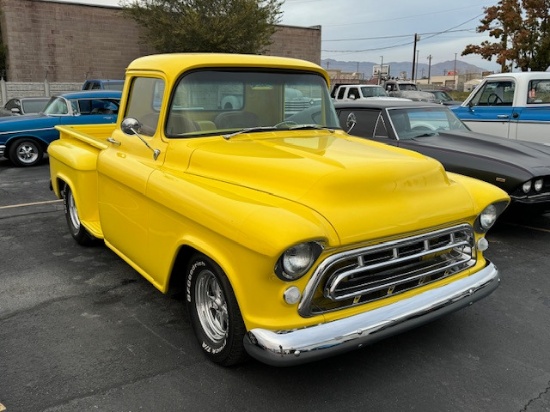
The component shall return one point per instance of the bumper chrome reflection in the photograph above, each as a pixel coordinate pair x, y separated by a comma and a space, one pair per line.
286, 348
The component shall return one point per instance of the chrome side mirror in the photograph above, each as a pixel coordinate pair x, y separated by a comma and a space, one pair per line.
130, 126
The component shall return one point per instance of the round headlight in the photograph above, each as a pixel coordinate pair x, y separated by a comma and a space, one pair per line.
297, 260
488, 217
526, 187
538, 185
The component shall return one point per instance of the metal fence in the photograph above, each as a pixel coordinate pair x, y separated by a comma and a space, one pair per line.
9, 90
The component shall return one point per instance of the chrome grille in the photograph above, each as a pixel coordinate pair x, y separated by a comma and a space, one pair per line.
374, 272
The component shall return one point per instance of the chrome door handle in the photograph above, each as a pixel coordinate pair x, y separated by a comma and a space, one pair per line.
113, 141
502, 116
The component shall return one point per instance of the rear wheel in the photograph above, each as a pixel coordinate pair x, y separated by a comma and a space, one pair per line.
78, 232
214, 312
25, 152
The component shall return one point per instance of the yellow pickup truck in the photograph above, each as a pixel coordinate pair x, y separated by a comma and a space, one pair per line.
292, 240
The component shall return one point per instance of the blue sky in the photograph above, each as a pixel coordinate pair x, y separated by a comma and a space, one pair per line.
367, 30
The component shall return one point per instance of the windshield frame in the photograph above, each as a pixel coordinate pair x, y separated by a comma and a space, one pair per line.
268, 98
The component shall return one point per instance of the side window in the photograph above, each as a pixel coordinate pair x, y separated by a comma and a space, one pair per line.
495, 93
353, 93
365, 122
144, 102
84, 106
341, 92
539, 92
380, 129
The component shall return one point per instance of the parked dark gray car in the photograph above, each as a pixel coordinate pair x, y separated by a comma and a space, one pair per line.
520, 168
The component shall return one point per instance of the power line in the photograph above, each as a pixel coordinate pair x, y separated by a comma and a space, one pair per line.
430, 35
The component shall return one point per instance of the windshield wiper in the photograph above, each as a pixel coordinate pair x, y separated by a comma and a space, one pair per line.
248, 130
311, 126
266, 128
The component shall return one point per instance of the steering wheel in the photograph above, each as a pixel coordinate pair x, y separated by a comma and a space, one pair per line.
493, 99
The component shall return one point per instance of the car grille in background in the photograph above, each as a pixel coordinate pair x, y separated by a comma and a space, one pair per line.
375, 272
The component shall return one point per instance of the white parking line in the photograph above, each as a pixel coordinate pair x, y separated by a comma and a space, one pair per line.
47, 202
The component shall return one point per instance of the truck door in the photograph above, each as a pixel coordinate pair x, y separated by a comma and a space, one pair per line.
124, 169
531, 121
491, 109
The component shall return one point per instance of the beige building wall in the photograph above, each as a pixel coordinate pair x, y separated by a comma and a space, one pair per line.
69, 42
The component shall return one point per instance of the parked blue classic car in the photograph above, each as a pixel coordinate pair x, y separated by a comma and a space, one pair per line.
24, 139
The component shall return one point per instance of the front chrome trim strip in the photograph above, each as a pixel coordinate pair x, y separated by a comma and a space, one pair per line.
292, 347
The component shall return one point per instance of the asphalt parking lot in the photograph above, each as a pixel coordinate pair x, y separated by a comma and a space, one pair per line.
82, 331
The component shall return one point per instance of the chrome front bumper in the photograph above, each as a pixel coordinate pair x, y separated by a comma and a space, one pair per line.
287, 348
2, 150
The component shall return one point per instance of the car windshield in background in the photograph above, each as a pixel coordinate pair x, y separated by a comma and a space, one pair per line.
373, 91
442, 96
33, 105
56, 106
410, 123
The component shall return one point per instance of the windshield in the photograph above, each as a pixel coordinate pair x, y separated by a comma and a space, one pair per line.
56, 106
409, 123
373, 91
226, 101
34, 105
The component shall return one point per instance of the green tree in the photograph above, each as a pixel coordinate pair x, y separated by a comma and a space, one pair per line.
225, 26
522, 31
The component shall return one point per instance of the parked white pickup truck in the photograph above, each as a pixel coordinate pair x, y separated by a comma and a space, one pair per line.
511, 105
407, 90
346, 92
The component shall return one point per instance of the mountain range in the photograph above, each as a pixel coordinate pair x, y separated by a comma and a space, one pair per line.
403, 69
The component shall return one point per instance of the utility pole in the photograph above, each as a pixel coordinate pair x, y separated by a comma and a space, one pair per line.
416, 70
429, 68
454, 79
416, 38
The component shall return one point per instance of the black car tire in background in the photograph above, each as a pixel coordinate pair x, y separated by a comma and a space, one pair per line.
25, 152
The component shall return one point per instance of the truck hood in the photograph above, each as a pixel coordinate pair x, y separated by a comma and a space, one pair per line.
363, 189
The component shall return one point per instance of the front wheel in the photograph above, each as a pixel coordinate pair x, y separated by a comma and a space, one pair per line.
78, 232
25, 152
214, 312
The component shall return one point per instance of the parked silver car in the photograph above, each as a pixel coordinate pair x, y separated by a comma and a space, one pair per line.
24, 105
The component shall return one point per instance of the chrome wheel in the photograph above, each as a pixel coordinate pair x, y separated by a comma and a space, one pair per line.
214, 312
211, 306
72, 213
78, 232
25, 152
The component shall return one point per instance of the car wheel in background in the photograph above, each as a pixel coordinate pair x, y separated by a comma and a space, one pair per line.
25, 152
214, 312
